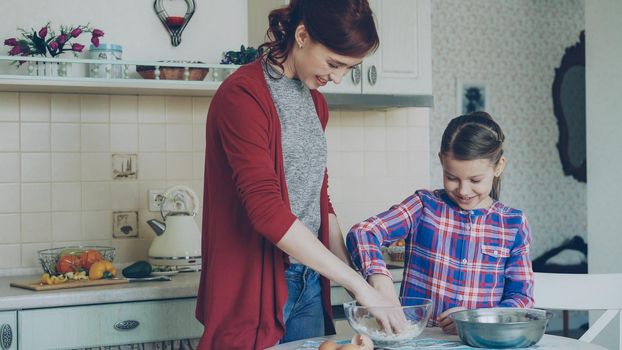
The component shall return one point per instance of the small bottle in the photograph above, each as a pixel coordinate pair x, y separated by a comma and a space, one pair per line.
106, 52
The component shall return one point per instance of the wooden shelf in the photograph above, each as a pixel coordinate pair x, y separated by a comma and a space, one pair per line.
128, 82
108, 86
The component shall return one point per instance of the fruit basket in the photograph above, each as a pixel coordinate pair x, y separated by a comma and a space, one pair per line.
396, 250
72, 259
173, 73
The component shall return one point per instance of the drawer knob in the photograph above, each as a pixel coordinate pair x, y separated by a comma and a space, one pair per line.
126, 325
6, 336
372, 75
356, 74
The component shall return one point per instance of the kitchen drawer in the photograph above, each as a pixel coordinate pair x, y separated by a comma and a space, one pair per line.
99, 325
8, 330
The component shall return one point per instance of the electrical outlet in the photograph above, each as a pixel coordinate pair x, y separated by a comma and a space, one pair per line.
155, 199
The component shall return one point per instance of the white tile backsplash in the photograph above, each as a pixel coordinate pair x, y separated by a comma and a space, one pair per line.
152, 166
67, 226
67, 196
36, 227
65, 108
179, 166
96, 225
35, 137
36, 167
95, 108
34, 107
29, 254
10, 230
152, 138
57, 165
9, 106
123, 109
65, 137
9, 137
179, 109
95, 137
124, 196
179, 138
10, 167
11, 203
10, 255
36, 197
151, 109
124, 138
96, 166
96, 195
200, 106
66, 167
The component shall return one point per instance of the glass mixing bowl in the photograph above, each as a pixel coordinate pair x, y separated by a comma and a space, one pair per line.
416, 310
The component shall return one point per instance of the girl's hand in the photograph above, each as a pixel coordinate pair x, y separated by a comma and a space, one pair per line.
446, 323
384, 285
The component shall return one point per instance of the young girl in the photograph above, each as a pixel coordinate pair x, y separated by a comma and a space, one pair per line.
464, 248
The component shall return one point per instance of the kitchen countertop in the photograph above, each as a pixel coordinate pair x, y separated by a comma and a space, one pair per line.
183, 285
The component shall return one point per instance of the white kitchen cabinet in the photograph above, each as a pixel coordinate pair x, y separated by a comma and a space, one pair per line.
108, 324
402, 63
8, 330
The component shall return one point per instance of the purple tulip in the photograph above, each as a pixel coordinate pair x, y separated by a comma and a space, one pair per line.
76, 32
77, 47
62, 39
15, 51
53, 46
95, 41
10, 42
97, 33
43, 32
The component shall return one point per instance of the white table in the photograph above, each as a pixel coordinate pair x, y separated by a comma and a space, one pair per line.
548, 342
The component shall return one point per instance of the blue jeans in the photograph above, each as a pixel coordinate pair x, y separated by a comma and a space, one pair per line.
303, 313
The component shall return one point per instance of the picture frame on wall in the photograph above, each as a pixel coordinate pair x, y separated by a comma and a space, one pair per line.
472, 96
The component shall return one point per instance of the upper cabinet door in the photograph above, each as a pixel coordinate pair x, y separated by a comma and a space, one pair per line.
402, 64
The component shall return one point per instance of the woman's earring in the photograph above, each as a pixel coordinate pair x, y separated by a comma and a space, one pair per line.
300, 46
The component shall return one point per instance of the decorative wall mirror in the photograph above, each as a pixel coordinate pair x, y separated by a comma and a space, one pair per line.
569, 109
176, 24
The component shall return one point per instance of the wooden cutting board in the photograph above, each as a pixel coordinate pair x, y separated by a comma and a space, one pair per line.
37, 286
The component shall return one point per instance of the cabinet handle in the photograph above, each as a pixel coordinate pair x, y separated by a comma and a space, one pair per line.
6, 336
372, 75
356, 74
126, 325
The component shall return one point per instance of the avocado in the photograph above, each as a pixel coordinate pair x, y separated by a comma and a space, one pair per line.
138, 269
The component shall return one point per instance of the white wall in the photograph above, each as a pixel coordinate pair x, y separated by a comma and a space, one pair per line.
217, 25
604, 126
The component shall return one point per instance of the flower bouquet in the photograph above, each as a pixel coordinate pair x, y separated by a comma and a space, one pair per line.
46, 42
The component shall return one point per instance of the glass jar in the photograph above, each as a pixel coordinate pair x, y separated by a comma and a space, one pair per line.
106, 52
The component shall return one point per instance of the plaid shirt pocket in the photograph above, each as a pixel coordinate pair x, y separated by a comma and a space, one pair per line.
495, 251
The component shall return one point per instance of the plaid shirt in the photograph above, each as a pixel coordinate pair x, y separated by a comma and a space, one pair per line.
473, 258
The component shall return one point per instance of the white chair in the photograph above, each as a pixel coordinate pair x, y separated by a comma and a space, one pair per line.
582, 292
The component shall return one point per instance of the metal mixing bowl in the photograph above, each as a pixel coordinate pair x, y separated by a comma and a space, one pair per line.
500, 328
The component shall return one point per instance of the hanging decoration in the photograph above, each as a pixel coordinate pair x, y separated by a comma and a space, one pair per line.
174, 24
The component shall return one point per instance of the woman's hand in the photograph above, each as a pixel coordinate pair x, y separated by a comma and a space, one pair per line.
386, 309
446, 323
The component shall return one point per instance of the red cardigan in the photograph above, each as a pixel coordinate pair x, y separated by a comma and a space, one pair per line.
245, 212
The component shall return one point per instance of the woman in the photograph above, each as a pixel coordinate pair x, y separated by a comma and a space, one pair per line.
267, 216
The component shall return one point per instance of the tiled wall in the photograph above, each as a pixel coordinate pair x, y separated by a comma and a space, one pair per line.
56, 181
